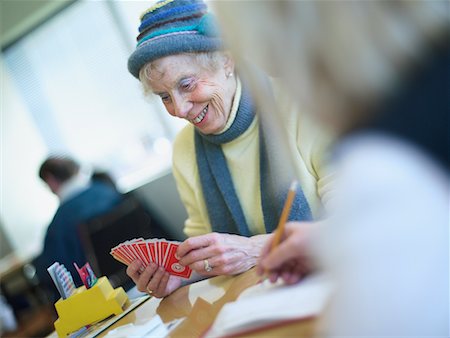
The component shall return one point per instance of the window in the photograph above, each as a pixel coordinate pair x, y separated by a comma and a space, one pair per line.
70, 79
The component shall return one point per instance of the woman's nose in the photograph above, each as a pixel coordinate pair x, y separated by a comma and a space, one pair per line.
182, 106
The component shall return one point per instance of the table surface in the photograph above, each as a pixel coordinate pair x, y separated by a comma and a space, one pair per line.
200, 303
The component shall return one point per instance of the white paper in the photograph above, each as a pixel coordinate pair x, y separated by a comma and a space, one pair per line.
153, 328
264, 304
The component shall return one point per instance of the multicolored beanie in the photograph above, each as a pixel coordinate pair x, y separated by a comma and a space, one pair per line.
173, 27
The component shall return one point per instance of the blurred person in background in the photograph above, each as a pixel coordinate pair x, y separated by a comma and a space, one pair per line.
81, 198
223, 166
377, 73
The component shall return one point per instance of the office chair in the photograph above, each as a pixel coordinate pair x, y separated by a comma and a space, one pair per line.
126, 221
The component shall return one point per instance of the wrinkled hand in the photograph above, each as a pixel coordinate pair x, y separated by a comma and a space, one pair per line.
153, 280
290, 259
226, 254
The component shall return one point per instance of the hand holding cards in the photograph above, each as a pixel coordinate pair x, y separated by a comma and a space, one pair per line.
158, 251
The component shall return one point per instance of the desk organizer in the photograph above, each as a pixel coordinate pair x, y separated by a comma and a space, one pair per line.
87, 306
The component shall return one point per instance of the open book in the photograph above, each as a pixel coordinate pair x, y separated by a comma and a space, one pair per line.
265, 304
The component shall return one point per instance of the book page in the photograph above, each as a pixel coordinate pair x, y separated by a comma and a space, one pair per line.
265, 304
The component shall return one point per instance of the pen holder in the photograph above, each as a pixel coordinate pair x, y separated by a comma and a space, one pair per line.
87, 306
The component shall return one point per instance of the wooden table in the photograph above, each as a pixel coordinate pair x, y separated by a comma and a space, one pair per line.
200, 303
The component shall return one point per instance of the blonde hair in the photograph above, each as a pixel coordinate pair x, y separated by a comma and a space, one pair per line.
209, 61
337, 57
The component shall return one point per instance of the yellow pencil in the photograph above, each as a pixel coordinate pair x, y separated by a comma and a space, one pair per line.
284, 215
281, 223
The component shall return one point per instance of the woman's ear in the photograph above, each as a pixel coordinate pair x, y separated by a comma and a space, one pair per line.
228, 63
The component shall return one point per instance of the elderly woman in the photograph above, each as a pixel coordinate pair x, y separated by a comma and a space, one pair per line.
221, 162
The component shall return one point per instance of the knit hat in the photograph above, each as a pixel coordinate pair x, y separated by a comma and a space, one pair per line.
173, 27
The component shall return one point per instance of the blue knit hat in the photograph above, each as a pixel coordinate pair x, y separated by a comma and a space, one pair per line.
173, 27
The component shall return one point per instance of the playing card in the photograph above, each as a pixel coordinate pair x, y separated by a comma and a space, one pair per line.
151, 250
141, 257
120, 256
159, 251
173, 265
125, 249
118, 251
164, 250
142, 247
158, 245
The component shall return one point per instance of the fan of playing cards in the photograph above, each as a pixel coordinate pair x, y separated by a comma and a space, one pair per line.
159, 251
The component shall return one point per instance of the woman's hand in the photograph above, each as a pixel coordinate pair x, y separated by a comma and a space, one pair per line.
220, 254
290, 259
153, 279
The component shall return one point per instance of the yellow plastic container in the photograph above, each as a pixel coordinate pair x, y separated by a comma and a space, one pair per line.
87, 306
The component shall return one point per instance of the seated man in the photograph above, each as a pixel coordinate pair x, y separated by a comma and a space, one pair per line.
81, 198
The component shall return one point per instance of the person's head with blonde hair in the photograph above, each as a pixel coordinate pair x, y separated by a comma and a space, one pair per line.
377, 72
338, 57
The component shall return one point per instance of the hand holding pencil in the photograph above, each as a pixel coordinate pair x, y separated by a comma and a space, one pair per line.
285, 255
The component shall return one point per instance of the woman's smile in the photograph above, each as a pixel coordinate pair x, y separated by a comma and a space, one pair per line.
200, 118
194, 92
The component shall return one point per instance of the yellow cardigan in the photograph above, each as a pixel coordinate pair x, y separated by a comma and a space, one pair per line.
242, 155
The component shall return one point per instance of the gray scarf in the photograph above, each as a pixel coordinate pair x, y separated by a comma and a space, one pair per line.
224, 209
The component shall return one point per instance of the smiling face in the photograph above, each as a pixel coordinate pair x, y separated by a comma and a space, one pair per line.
193, 90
